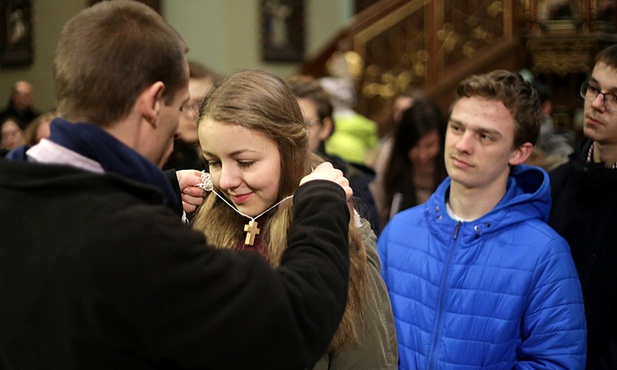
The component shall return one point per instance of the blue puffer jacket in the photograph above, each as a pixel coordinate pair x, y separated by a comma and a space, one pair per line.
500, 292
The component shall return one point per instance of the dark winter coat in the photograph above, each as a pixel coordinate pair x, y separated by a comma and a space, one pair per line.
585, 213
97, 273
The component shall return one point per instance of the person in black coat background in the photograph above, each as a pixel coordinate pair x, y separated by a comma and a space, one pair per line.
20, 106
317, 110
584, 211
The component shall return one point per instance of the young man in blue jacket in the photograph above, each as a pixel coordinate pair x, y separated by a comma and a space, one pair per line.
477, 278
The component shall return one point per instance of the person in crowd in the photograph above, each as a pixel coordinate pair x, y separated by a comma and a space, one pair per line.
403, 102
101, 273
415, 166
317, 112
186, 153
20, 106
11, 133
255, 141
378, 159
476, 277
554, 146
585, 207
39, 128
355, 135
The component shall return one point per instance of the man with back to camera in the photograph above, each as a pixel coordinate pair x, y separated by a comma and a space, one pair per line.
99, 271
584, 192
476, 277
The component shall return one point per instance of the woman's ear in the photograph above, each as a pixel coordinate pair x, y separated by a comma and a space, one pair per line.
150, 102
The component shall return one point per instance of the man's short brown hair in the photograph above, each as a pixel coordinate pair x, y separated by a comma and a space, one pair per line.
108, 54
608, 56
307, 87
516, 94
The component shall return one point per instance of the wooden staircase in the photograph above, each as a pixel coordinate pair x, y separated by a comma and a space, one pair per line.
431, 45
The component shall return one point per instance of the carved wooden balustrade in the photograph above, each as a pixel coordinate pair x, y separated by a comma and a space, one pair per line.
395, 45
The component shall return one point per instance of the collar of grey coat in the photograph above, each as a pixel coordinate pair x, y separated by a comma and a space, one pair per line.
590, 157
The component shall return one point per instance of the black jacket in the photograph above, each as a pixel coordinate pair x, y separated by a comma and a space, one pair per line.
359, 176
584, 212
185, 157
96, 273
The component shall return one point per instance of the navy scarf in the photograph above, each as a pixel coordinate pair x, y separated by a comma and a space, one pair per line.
93, 142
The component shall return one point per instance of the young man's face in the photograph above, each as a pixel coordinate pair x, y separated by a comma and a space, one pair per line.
480, 144
22, 98
318, 132
600, 124
168, 118
187, 128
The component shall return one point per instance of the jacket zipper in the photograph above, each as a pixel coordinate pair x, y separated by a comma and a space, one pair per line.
442, 295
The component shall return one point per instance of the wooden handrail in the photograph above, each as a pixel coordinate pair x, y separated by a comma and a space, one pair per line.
490, 58
342, 40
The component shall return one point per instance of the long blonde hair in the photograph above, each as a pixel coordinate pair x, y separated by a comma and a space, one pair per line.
261, 102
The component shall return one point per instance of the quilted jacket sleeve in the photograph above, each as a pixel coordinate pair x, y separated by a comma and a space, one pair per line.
553, 328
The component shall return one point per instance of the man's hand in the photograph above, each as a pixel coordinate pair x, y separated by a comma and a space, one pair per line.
192, 195
325, 171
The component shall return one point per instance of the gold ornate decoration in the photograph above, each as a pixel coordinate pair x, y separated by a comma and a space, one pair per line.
561, 56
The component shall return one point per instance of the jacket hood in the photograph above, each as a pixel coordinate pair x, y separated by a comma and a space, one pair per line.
528, 187
527, 197
93, 142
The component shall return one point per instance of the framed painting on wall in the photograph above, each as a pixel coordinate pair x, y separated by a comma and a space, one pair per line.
282, 30
16, 35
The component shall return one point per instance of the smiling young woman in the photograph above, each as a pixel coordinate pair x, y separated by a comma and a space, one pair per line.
256, 143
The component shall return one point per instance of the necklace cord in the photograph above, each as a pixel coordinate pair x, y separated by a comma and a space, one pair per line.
245, 215
590, 157
207, 185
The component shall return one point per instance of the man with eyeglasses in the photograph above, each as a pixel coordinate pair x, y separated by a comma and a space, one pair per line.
318, 117
584, 211
186, 153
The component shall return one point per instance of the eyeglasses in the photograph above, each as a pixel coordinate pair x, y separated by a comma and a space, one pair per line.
191, 109
312, 123
590, 93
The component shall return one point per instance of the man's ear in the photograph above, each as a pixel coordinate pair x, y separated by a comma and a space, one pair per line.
521, 154
150, 102
327, 127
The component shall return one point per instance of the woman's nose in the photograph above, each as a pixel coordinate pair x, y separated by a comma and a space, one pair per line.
229, 179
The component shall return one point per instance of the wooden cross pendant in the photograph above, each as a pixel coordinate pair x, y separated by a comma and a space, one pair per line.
251, 230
